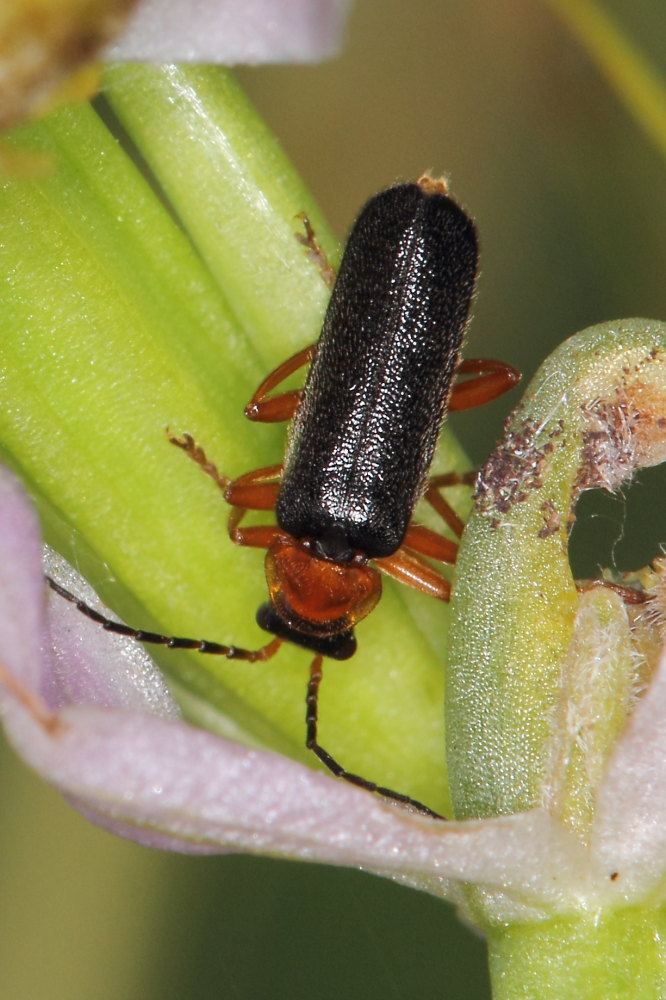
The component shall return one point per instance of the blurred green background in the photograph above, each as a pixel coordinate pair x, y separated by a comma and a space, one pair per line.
570, 199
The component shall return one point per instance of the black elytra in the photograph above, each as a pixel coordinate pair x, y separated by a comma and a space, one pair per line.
365, 431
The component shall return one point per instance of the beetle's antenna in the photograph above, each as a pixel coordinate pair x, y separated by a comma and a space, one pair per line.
311, 699
170, 641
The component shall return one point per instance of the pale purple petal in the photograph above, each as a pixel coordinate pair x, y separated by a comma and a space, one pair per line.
169, 779
57, 655
630, 824
21, 584
232, 31
91, 666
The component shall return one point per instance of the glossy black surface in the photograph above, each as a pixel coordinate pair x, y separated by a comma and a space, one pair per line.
376, 393
338, 647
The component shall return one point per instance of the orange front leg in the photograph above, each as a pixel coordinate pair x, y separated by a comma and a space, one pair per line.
256, 490
257, 536
441, 506
272, 409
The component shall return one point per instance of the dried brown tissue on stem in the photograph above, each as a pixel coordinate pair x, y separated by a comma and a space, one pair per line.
400, 305
621, 433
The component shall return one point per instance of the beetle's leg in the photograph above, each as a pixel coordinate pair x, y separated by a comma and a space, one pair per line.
198, 455
311, 699
407, 564
257, 536
253, 490
408, 567
628, 594
170, 641
315, 252
426, 542
492, 378
447, 479
271, 409
440, 505
256, 490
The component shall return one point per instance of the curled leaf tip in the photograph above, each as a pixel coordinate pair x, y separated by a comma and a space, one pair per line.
625, 431
593, 415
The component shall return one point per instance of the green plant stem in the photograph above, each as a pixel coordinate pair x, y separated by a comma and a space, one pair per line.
611, 956
236, 194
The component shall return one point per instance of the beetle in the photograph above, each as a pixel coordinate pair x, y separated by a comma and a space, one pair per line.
365, 427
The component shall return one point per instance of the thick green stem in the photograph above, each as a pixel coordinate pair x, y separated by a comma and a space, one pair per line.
618, 955
234, 191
